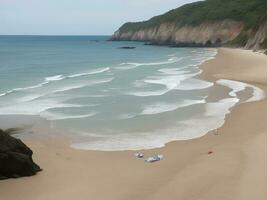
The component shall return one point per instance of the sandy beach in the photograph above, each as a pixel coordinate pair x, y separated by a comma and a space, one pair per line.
227, 164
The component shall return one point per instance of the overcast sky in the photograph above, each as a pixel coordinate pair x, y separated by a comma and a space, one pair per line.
76, 17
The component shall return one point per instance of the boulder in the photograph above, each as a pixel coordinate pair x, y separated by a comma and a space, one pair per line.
15, 158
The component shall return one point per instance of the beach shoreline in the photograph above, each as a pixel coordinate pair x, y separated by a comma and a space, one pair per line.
220, 165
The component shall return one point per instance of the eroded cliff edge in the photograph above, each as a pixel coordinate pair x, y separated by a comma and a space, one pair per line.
207, 23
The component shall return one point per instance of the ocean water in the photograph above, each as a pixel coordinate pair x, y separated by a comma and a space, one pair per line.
111, 98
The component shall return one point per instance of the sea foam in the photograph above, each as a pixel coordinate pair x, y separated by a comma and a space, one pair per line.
237, 86
169, 61
158, 108
57, 116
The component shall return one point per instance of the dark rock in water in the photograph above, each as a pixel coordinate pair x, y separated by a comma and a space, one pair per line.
15, 158
127, 47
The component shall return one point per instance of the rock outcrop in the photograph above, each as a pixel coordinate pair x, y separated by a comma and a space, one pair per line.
15, 158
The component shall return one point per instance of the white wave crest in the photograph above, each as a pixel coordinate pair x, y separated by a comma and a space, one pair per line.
158, 108
170, 82
55, 78
173, 71
56, 117
34, 107
169, 61
149, 93
96, 71
24, 88
194, 84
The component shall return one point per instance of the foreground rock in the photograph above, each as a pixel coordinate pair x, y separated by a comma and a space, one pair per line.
15, 158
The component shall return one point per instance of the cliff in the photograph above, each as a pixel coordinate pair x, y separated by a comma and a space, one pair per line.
239, 23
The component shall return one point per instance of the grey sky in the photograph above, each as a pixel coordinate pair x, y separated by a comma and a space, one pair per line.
76, 17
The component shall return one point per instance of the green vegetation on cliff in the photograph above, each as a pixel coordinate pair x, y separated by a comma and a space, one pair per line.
241, 40
252, 12
264, 44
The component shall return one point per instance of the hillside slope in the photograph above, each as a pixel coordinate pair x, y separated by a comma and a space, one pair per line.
241, 23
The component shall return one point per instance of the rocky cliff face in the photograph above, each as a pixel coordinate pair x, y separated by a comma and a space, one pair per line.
202, 34
217, 33
257, 38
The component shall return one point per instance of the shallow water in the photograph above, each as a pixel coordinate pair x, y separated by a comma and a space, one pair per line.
111, 98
